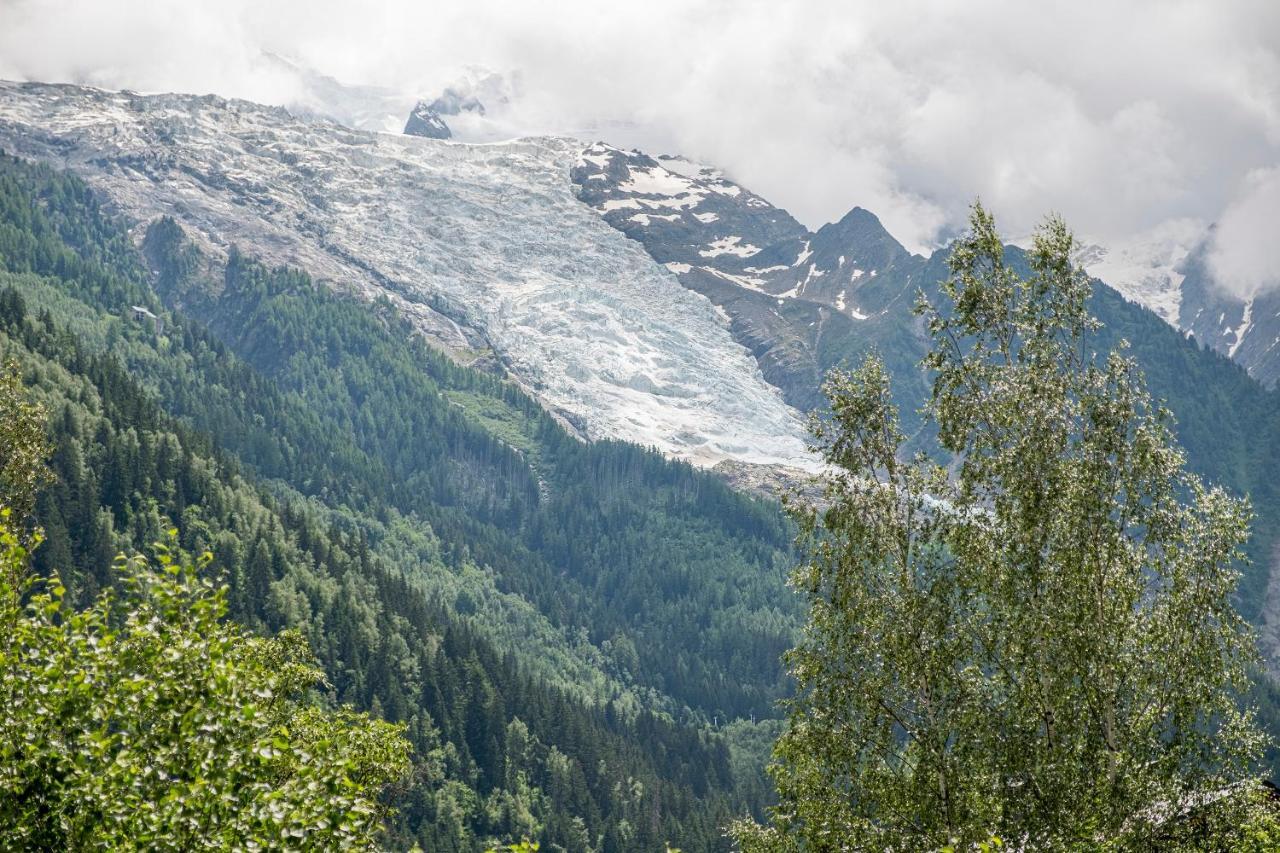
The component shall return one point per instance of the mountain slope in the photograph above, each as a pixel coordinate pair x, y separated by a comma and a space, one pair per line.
484, 246
800, 302
1167, 270
531, 605
487, 249
805, 302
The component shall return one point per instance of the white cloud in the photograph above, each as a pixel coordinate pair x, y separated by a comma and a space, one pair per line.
1245, 253
1118, 115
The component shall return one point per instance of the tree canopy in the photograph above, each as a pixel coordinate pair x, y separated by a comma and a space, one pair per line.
1032, 638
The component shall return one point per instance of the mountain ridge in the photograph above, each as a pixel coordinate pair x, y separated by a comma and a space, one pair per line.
491, 233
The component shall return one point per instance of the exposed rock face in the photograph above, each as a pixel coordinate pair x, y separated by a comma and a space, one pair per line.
425, 121
1245, 329
427, 118
1167, 270
800, 301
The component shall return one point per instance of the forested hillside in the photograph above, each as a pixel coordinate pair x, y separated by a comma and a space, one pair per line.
557, 623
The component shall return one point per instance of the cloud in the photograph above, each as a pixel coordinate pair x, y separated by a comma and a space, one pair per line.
1120, 116
1244, 255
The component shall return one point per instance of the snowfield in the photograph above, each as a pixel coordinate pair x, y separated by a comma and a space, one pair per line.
1145, 268
580, 315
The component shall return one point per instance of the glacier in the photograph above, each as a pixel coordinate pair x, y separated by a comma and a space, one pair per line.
1146, 268
491, 236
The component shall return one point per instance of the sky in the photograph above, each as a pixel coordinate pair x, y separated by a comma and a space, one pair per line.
1130, 119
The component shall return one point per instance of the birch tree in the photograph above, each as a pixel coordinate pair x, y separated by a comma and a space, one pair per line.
1028, 636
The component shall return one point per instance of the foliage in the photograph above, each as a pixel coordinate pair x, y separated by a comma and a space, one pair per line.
23, 448
1036, 641
607, 539
147, 721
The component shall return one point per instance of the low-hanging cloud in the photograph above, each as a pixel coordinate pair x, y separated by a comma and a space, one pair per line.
1245, 252
1119, 116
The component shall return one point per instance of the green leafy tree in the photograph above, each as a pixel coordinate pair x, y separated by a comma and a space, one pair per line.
148, 721
1033, 641
23, 448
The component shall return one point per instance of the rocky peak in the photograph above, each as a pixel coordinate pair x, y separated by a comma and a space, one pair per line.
425, 120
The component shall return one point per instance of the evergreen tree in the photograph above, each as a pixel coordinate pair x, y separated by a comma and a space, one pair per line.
23, 447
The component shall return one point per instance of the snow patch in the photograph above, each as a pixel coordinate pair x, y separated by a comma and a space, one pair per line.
597, 155
804, 255
656, 181
686, 167
1243, 329
853, 312
729, 246
643, 218
749, 282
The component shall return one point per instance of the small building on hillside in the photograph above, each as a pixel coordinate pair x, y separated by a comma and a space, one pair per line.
141, 314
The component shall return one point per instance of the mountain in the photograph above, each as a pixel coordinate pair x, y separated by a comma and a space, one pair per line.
486, 247
425, 121
427, 117
800, 302
1167, 270
1145, 269
646, 299
803, 302
1245, 329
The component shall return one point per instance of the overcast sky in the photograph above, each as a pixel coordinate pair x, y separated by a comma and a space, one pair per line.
1123, 116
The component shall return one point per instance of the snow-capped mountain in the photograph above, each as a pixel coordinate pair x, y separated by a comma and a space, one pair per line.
425, 120
650, 299
481, 244
800, 301
1244, 329
1166, 270
1146, 268
469, 105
